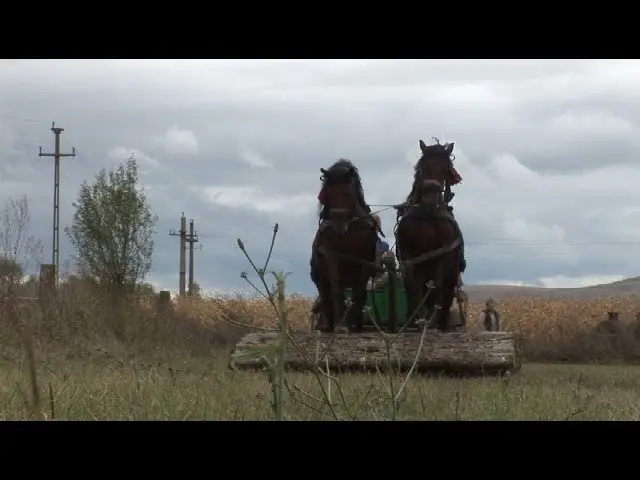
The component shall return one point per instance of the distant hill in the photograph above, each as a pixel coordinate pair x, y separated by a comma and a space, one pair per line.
621, 288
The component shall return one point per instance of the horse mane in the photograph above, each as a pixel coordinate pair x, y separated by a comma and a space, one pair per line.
347, 164
435, 150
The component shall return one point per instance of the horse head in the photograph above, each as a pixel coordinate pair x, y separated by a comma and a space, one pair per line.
343, 196
433, 172
343, 188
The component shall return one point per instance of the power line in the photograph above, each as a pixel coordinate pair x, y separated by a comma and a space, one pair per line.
182, 233
57, 131
11, 116
191, 238
482, 241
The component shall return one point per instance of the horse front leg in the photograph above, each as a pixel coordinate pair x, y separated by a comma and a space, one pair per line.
439, 316
412, 289
445, 309
428, 299
326, 307
337, 295
358, 301
428, 305
448, 287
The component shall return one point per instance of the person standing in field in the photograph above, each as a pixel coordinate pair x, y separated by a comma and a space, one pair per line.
490, 318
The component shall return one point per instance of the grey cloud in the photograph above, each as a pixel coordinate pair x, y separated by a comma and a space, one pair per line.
536, 147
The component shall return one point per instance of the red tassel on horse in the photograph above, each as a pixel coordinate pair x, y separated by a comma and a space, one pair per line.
322, 196
455, 176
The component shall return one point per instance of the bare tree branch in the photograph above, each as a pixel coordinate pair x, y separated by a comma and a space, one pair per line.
18, 250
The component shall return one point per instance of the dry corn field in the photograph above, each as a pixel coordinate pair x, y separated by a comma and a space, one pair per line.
554, 330
530, 316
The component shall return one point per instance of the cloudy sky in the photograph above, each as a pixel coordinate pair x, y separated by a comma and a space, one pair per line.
549, 152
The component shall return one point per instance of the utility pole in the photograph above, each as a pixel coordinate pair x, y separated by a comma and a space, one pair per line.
191, 238
56, 196
183, 237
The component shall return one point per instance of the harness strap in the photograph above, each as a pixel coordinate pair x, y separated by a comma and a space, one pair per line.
326, 222
348, 258
433, 253
441, 215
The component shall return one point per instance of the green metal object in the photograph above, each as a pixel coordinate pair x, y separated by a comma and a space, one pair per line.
378, 301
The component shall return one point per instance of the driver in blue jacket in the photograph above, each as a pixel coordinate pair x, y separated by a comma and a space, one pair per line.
383, 245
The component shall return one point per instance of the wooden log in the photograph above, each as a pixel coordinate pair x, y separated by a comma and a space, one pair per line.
451, 352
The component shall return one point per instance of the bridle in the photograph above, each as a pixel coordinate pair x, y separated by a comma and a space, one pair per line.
342, 218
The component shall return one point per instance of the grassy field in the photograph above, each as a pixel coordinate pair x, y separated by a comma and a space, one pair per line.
184, 388
138, 358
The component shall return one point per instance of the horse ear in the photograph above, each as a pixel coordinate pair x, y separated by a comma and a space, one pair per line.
423, 146
323, 171
449, 148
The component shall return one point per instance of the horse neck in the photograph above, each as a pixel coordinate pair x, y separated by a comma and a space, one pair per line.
416, 187
361, 211
417, 180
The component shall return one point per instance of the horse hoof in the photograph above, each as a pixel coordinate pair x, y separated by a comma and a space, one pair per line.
432, 325
342, 330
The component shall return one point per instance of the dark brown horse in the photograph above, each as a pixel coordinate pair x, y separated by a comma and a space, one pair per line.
428, 237
343, 254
